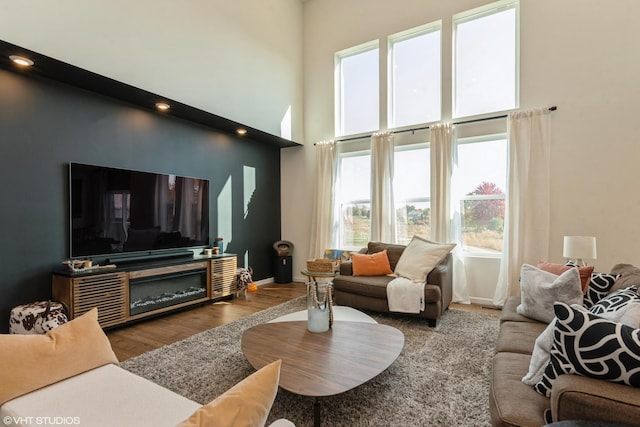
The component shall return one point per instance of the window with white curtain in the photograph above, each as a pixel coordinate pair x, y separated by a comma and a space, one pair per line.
354, 194
482, 179
412, 192
357, 90
414, 84
485, 68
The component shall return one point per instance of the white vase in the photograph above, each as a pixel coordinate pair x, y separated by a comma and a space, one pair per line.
319, 306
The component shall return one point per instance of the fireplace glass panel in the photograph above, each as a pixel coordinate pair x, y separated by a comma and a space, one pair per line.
152, 293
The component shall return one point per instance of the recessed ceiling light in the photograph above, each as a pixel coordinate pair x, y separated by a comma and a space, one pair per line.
241, 131
21, 60
162, 106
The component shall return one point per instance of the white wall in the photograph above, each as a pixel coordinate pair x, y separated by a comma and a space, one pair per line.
580, 55
241, 59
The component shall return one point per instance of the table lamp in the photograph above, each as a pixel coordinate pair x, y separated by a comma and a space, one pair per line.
579, 248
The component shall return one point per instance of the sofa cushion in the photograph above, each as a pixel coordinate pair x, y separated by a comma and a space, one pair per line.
103, 397
510, 314
420, 257
512, 402
376, 264
540, 289
373, 286
588, 345
30, 362
246, 404
518, 337
393, 251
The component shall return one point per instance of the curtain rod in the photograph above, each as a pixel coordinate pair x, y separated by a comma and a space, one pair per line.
464, 122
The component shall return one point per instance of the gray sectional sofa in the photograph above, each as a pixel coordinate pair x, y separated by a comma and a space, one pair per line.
573, 397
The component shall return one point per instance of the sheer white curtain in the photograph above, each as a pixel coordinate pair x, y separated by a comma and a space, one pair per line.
526, 226
383, 215
446, 224
323, 218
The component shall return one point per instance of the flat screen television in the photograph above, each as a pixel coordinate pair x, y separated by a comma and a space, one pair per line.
119, 212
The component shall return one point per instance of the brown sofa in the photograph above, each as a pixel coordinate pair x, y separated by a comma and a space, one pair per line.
573, 397
370, 292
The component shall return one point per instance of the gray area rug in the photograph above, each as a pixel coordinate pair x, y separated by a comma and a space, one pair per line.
440, 378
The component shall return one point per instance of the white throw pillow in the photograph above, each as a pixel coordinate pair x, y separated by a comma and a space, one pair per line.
420, 257
540, 289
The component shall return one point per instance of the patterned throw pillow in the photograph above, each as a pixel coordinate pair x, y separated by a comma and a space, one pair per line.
598, 288
616, 301
585, 344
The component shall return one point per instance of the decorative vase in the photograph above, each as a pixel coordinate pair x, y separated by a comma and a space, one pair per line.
319, 306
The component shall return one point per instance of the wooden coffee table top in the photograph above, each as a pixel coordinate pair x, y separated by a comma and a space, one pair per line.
326, 363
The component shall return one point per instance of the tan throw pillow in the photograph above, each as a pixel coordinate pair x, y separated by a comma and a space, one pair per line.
30, 362
376, 264
420, 257
245, 404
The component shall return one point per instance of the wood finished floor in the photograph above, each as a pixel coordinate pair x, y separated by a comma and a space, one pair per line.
132, 340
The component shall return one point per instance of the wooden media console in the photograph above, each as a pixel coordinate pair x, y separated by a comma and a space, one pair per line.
135, 291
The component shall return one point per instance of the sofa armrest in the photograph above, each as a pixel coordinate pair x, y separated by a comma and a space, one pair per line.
576, 397
442, 276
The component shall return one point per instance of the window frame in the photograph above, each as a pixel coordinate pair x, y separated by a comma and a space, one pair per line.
470, 15
503, 196
400, 37
341, 201
339, 56
409, 147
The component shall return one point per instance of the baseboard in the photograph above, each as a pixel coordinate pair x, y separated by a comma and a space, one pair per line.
267, 281
485, 302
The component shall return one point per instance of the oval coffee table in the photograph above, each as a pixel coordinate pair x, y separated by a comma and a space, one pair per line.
327, 363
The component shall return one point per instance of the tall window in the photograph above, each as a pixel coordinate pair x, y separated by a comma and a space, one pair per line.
482, 167
486, 59
412, 192
357, 90
355, 199
414, 76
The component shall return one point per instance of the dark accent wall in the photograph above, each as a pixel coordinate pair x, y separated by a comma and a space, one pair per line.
44, 125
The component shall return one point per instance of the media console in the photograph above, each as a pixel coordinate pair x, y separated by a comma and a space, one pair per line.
134, 291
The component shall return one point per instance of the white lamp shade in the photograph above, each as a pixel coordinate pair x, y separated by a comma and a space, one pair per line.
579, 247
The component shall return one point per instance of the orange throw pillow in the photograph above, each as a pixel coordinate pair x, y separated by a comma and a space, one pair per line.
558, 269
371, 265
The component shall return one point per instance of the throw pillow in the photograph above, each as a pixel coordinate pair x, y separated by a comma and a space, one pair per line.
393, 251
540, 289
585, 344
540, 355
629, 315
371, 264
30, 362
420, 257
246, 404
585, 272
617, 301
598, 288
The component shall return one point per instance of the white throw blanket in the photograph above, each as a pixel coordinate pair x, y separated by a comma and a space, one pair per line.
405, 296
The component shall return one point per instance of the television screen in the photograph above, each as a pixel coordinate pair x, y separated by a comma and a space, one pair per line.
125, 211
